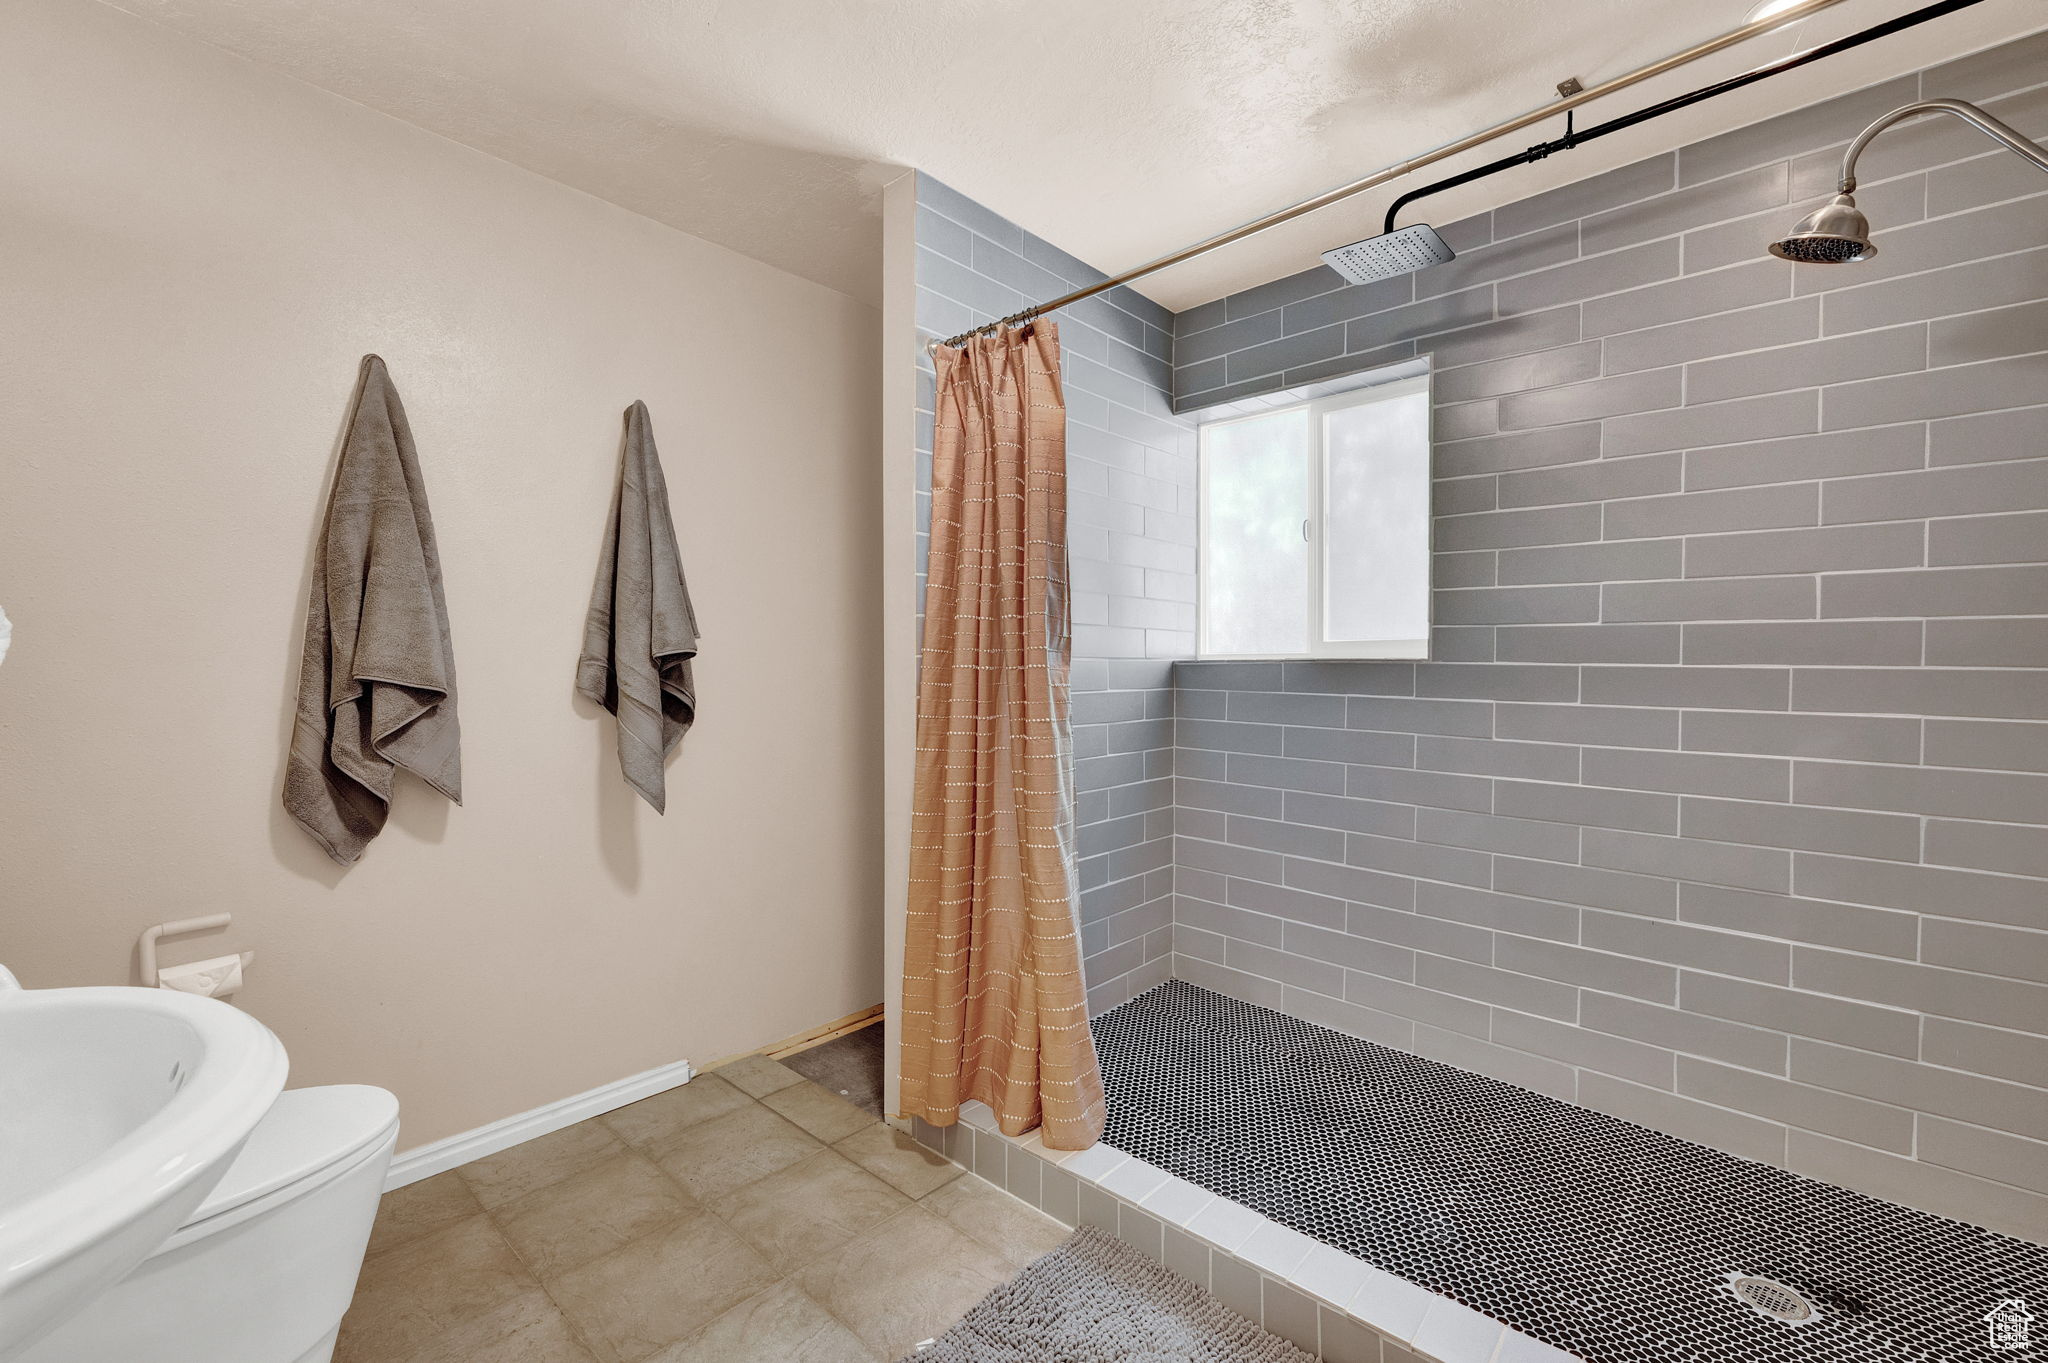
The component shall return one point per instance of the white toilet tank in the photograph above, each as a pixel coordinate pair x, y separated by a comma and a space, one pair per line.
264, 1269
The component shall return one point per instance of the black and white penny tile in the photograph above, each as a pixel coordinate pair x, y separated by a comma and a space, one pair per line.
1603, 1238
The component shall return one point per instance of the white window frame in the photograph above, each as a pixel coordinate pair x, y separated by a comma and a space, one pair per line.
1316, 477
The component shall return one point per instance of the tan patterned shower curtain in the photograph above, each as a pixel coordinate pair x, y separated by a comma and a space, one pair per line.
993, 1005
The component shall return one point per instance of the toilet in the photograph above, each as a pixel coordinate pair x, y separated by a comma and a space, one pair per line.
264, 1269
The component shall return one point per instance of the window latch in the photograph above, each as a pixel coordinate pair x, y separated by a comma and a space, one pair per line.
1304, 530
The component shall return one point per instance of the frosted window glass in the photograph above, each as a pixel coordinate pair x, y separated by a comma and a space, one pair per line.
1254, 559
1376, 521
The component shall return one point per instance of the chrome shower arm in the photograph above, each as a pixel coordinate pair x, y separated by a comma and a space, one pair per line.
1969, 113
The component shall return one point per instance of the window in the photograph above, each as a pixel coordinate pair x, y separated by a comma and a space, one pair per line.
1315, 528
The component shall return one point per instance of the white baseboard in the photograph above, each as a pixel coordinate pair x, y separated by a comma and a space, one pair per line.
427, 1160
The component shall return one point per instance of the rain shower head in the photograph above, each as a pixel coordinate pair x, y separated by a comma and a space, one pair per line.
1390, 254
1835, 234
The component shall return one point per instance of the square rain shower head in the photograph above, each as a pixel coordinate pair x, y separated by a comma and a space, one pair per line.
1395, 253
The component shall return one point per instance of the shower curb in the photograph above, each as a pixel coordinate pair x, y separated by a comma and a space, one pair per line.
1325, 1301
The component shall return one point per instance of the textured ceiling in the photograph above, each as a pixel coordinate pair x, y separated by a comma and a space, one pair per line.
1118, 129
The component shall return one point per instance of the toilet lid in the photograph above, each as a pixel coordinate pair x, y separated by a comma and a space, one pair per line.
305, 1131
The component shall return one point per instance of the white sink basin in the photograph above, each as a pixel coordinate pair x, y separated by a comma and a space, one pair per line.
119, 1111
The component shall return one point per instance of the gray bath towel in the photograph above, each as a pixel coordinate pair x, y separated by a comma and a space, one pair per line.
641, 633
377, 686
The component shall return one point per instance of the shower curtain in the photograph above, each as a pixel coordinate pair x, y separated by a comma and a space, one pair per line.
993, 1004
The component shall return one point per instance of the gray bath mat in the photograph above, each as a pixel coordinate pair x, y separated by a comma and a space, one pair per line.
1097, 1300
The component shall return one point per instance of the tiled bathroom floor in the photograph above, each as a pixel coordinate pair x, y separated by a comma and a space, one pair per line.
749, 1215
1609, 1240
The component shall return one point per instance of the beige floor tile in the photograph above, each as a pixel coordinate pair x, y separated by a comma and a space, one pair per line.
511, 1174
408, 1213
757, 1075
904, 1281
414, 1293
713, 1158
1013, 1229
781, 1325
814, 1206
652, 1121
527, 1329
574, 1221
663, 1287
897, 1160
824, 1114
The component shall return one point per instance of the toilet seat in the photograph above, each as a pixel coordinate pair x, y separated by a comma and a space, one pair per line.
265, 1267
308, 1137
305, 1131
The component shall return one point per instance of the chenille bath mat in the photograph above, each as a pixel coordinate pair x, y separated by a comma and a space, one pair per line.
1097, 1300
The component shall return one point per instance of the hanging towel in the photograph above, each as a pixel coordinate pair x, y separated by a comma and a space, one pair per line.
641, 633
377, 686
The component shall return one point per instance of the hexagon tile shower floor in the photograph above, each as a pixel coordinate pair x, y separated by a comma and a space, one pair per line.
1607, 1239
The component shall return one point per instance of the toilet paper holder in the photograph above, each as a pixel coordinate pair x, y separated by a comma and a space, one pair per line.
177, 927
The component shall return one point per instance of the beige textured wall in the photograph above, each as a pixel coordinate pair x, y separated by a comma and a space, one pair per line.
194, 253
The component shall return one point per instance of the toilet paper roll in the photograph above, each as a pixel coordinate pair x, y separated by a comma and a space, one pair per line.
214, 979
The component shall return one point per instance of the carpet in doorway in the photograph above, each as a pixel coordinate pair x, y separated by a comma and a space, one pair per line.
1097, 1300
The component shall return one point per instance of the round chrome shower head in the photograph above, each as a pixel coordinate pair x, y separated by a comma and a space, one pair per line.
1834, 234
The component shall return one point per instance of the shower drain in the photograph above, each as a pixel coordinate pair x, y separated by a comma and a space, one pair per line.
1768, 1297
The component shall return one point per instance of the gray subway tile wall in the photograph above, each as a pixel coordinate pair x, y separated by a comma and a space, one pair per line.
1723, 807
1131, 565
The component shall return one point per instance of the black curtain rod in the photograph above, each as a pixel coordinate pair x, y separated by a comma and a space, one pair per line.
1573, 138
